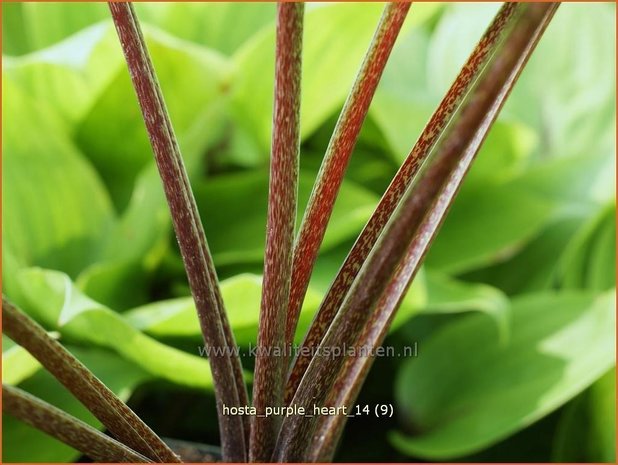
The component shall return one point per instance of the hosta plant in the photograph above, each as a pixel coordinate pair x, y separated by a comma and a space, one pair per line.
323, 243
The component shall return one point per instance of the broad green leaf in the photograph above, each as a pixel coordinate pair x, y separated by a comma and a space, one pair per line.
371, 169
455, 36
561, 180
587, 428
233, 208
504, 154
17, 363
331, 41
193, 81
335, 39
602, 265
27, 27
241, 294
140, 238
86, 64
448, 295
69, 76
402, 105
468, 390
490, 222
22, 443
572, 116
404, 102
485, 224
14, 36
576, 118
589, 258
414, 301
55, 208
223, 26
55, 301
536, 266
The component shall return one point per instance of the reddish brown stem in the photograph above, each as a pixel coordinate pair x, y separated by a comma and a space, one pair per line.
419, 153
271, 367
122, 422
230, 389
392, 263
337, 156
348, 384
62, 426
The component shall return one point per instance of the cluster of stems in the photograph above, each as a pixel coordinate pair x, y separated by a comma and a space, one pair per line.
364, 296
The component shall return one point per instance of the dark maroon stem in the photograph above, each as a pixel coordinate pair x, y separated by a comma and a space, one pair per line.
225, 364
62, 426
122, 422
337, 156
427, 141
271, 367
377, 290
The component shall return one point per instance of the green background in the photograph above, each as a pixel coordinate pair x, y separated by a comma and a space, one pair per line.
513, 312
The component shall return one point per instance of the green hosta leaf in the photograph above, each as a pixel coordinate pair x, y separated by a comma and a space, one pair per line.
140, 238
241, 294
56, 302
414, 301
17, 363
587, 429
589, 258
502, 155
490, 222
88, 64
576, 118
70, 75
572, 116
55, 209
134, 247
22, 443
223, 26
402, 105
233, 208
458, 31
332, 44
27, 27
14, 36
193, 80
602, 265
486, 223
535, 267
405, 101
467, 390
447, 295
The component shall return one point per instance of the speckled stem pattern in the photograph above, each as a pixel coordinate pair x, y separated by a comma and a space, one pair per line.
62, 426
226, 368
271, 370
377, 291
121, 421
337, 156
355, 370
427, 141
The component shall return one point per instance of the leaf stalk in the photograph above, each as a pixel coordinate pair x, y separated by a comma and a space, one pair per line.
123, 423
271, 365
226, 368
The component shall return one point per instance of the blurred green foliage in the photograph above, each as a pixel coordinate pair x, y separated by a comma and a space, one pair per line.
514, 312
